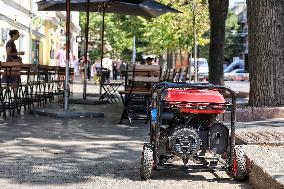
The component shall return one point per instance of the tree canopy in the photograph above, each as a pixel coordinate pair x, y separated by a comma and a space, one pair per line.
233, 43
154, 36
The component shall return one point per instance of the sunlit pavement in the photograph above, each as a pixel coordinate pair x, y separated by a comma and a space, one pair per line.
242, 86
45, 152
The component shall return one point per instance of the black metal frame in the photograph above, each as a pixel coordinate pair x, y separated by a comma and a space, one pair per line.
157, 100
110, 93
130, 84
38, 87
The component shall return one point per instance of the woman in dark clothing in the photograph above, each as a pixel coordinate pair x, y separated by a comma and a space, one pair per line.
11, 50
114, 70
12, 56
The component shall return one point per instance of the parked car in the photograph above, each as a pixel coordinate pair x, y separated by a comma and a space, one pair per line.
235, 75
237, 64
203, 68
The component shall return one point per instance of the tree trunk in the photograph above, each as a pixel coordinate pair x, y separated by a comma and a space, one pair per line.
169, 59
266, 52
180, 57
175, 59
218, 10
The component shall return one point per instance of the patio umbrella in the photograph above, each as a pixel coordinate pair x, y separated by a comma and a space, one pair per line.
144, 8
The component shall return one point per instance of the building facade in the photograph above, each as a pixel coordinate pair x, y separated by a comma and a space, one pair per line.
42, 34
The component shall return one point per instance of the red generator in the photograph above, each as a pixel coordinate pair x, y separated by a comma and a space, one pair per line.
184, 123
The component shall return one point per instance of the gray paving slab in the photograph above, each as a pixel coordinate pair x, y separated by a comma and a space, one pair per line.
267, 166
48, 152
267, 170
267, 125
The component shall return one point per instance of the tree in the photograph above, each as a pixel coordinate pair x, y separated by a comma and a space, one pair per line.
95, 23
218, 10
266, 52
119, 30
121, 33
153, 36
233, 45
173, 33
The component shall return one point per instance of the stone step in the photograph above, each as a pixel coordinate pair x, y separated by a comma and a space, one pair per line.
254, 114
266, 166
260, 137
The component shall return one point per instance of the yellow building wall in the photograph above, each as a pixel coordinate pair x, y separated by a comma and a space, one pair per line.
46, 44
41, 54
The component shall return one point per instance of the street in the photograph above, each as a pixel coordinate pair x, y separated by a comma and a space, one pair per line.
241, 86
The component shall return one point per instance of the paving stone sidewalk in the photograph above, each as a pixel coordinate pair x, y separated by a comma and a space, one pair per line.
267, 166
45, 152
267, 160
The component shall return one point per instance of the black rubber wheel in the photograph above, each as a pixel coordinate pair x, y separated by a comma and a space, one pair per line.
239, 169
146, 162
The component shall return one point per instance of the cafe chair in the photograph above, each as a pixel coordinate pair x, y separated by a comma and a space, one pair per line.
110, 87
137, 93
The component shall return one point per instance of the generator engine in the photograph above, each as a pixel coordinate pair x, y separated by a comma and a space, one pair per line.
188, 128
185, 123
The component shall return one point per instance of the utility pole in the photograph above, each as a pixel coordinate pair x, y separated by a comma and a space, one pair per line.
194, 43
66, 87
102, 47
86, 50
133, 49
31, 32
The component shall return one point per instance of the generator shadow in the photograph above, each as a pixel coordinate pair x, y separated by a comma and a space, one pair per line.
193, 173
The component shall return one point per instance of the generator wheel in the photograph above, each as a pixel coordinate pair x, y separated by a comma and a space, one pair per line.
239, 169
146, 162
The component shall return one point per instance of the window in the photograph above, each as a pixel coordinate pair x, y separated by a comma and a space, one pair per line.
35, 52
3, 36
21, 42
240, 71
202, 64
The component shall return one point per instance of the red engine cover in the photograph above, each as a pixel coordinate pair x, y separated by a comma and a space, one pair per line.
192, 99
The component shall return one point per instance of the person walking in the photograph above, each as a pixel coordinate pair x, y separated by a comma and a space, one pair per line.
122, 67
89, 63
61, 57
61, 61
97, 71
11, 49
114, 70
82, 68
107, 72
76, 66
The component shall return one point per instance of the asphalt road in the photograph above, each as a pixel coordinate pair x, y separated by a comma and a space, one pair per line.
241, 86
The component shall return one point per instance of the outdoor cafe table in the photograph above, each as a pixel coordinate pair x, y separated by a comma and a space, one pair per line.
110, 88
110, 91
